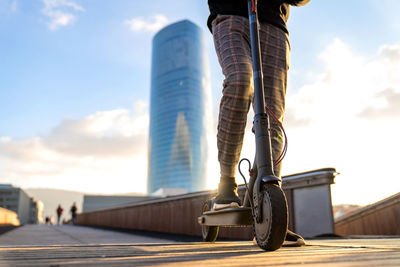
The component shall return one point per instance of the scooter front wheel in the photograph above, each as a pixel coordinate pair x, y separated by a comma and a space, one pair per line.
209, 233
270, 231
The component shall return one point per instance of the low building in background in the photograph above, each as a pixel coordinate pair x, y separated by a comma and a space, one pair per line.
96, 202
37, 210
15, 199
167, 192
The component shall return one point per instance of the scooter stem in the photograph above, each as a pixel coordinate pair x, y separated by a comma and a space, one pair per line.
259, 102
264, 160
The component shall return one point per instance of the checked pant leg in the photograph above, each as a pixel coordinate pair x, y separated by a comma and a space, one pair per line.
275, 51
231, 40
232, 44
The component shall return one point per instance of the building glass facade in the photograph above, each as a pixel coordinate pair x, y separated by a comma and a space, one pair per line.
179, 78
15, 199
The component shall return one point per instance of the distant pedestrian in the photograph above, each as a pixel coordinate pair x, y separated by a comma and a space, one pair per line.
73, 211
47, 220
59, 213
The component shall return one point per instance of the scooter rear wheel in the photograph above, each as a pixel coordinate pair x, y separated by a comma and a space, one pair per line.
209, 233
270, 232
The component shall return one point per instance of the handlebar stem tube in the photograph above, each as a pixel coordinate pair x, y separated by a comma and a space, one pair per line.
261, 124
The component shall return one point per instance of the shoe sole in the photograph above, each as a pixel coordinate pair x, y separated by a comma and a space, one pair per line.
225, 206
298, 243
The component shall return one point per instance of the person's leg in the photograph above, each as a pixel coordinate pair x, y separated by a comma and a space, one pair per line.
231, 39
275, 51
275, 63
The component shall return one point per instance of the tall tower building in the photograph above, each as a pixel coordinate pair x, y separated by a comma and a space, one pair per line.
179, 90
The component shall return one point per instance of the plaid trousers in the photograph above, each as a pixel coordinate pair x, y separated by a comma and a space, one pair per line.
232, 44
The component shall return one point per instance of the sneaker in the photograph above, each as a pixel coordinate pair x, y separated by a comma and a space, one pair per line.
227, 196
293, 240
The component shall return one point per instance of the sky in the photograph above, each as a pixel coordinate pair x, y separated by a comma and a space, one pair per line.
75, 84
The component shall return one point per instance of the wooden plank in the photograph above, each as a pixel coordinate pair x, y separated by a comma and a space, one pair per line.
203, 254
41, 245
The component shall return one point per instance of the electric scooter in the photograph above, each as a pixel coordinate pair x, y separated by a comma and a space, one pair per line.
265, 206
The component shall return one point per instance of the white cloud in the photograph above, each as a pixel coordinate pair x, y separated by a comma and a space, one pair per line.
151, 24
101, 153
60, 12
347, 118
104, 133
390, 108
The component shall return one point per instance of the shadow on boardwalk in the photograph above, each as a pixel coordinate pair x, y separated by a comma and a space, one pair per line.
83, 250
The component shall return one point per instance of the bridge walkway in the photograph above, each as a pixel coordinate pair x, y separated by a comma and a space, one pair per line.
41, 245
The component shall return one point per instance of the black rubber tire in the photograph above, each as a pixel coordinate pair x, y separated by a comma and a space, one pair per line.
270, 233
209, 233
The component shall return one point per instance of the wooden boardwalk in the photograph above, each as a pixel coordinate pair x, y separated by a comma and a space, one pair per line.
17, 248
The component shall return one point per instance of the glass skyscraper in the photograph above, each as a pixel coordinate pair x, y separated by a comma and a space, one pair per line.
179, 84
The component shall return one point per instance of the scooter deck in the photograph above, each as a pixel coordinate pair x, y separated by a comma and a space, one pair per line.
232, 217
